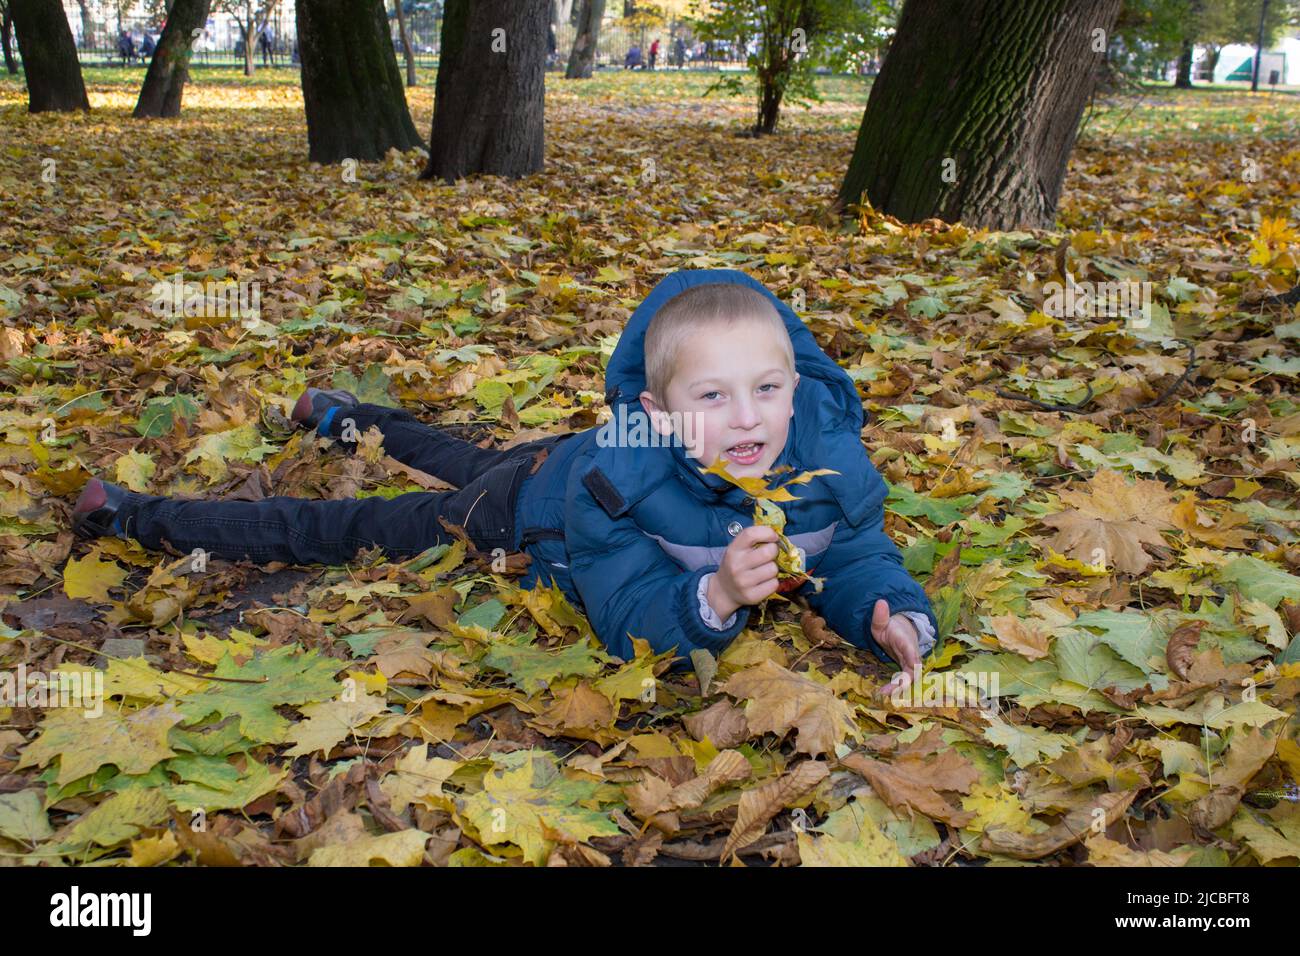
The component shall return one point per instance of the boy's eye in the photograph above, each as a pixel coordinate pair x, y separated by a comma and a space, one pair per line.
709, 395
769, 385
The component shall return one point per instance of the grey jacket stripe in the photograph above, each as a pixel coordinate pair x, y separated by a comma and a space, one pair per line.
694, 556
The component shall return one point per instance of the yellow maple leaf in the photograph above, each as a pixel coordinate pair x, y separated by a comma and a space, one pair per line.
92, 578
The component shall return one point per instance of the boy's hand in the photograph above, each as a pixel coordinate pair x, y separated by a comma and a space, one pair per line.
748, 572
897, 636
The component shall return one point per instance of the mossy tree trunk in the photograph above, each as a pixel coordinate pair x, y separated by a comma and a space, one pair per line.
582, 58
49, 55
351, 86
975, 110
164, 84
489, 101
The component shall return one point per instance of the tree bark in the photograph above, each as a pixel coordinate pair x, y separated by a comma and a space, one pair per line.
87, 25
582, 58
1259, 45
407, 51
49, 57
1184, 78
6, 40
351, 86
776, 58
976, 108
489, 101
164, 84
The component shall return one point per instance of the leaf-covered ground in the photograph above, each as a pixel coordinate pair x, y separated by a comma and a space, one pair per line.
1124, 574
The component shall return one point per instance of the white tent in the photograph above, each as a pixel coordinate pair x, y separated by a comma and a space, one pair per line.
1238, 59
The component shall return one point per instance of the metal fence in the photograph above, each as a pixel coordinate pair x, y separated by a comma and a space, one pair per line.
129, 40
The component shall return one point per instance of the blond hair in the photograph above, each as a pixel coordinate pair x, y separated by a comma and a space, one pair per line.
700, 307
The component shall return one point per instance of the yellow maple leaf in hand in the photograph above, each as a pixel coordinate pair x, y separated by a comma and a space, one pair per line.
789, 557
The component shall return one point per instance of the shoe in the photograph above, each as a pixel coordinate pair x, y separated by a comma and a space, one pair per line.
96, 512
317, 404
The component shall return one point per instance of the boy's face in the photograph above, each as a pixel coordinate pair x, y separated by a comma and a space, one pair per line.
732, 393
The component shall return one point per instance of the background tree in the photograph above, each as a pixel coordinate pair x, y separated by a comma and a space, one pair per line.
49, 53
87, 23
582, 58
6, 37
1237, 21
250, 17
976, 110
351, 86
1152, 32
790, 40
1148, 34
164, 84
408, 52
488, 106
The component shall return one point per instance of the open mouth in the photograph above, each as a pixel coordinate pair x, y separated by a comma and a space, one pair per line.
746, 453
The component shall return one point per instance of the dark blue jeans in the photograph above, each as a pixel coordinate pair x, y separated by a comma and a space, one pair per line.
306, 531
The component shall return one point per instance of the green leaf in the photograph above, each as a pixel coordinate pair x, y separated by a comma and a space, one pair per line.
1260, 580
532, 668
160, 414
1086, 660
371, 387
277, 677
940, 511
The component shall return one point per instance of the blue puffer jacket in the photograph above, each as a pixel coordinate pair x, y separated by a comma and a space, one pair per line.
627, 532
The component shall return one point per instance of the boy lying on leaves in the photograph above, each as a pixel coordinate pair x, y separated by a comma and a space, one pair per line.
660, 524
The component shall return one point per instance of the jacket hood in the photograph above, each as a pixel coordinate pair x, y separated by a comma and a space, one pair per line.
825, 431
625, 374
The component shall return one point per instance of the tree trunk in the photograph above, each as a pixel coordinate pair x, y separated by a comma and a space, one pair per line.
770, 93
1259, 45
976, 108
1184, 78
407, 51
489, 101
164, 84
582, 58
6, 39
49, 57
249, 63
1212, 61
351, 87
87, 25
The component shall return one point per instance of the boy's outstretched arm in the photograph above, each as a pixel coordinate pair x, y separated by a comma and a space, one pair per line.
630, 588
862, 566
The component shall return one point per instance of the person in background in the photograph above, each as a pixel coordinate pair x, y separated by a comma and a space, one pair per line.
679, 52
125, 47
633, 59
654, 52
266, 40
147, 46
